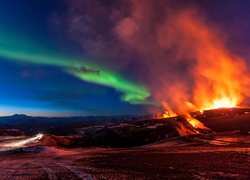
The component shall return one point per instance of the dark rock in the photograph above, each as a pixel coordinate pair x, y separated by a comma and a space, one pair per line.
11, 132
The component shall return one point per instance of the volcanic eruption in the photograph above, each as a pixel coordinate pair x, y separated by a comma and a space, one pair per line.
189, 64
181, 56
196, 70
109, 59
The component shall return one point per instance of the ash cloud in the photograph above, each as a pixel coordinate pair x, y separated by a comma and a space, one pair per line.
167, 45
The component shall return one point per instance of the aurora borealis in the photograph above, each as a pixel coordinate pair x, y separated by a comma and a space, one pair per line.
64, 58
28, 52
19, 49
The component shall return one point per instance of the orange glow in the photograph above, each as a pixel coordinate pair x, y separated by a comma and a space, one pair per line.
222, 103
189, 58
168, 111
219, 78
168, 114
194, 122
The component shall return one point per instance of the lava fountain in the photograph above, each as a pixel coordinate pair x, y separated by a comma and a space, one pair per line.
219, 79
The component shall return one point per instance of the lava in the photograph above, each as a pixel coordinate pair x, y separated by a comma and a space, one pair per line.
216, 77
222, 103
168, 112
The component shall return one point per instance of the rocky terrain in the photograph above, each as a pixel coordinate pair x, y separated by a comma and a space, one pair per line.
169, 148
157, 162
11, 132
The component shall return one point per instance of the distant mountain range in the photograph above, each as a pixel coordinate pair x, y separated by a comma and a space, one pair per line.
129, 131
61, 125
218, 120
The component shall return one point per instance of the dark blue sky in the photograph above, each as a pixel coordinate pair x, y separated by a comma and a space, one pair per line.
85, 30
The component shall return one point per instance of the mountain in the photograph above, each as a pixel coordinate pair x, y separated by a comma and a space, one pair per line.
131, 131
60, 125
11, 132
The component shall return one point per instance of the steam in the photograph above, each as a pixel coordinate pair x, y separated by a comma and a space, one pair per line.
178, 54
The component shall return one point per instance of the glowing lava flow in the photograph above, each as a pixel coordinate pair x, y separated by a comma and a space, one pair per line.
215, 104
168, 112
217, 78
222, 103
195, 123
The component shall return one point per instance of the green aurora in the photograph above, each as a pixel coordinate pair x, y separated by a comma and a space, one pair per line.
20, 49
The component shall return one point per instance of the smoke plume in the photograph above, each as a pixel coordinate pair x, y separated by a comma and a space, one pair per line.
169, 46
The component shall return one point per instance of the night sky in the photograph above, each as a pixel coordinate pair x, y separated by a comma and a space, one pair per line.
105, 57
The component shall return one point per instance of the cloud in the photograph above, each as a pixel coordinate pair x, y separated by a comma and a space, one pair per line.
126, 28
85, 70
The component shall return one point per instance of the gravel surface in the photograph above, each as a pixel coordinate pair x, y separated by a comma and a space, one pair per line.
184, 162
